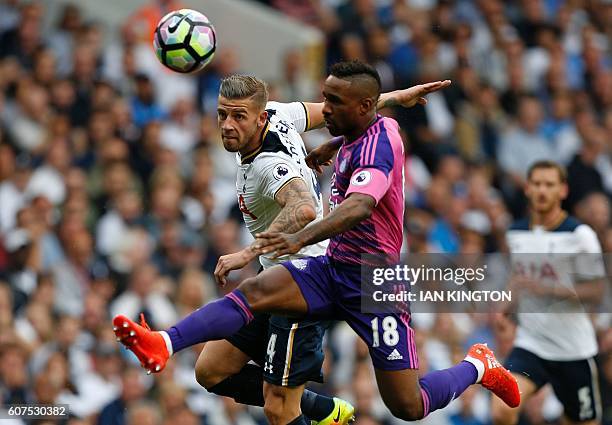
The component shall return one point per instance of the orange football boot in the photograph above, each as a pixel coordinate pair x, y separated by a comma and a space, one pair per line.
493, 376
149, 346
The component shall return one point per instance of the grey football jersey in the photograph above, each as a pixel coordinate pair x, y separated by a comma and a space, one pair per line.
262, 174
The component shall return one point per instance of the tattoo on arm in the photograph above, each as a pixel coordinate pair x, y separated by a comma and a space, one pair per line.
386, 100
298, 207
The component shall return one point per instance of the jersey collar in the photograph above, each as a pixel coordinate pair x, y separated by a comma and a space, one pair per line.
270, 142
248, 158
553, 226
365, 132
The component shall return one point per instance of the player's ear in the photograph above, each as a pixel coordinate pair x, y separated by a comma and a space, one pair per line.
262, 118
366, 105
564, 191
526, 187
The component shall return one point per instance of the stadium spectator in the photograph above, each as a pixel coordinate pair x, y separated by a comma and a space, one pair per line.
144, 295
144, 108
132, 391
524, 144
583, 176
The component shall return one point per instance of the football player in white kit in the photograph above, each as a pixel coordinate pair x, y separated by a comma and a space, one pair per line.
276, 190
562, 266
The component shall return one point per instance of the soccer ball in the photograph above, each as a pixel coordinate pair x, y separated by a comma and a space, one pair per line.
185, 41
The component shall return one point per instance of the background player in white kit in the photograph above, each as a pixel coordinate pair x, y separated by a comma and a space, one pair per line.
276, 190
555, 340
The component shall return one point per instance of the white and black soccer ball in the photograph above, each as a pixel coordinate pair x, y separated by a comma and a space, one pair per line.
185, 41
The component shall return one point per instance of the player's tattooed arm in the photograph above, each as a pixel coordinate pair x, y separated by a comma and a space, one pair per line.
298, 207
350, 212
406, 98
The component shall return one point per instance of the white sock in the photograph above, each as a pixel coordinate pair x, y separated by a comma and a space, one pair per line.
480, 367
166, 338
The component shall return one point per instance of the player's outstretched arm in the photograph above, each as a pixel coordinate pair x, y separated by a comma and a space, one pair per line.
411, 96
406, 98
356, 208
298, 209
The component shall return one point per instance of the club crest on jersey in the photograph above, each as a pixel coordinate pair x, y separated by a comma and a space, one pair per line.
361, 178
280, 171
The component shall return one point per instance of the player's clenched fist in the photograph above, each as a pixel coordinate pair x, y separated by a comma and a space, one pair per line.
230, 262
321, 155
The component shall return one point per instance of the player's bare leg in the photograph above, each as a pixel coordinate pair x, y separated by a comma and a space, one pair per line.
401, 393
411, 398
282, 404
504, 415
221, 359
274, 291
218, 361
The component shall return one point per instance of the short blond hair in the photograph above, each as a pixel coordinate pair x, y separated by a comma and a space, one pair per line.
245, 87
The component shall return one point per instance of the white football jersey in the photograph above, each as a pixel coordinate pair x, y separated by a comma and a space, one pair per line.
555, 329
263, 173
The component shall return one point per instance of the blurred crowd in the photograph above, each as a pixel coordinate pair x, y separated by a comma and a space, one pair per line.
116, 195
